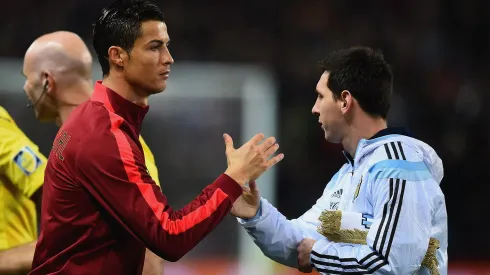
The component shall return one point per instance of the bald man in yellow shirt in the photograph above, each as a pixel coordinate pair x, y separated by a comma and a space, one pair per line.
58, 71
21, 176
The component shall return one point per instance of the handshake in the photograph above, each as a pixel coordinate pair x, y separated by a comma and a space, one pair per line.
245, 165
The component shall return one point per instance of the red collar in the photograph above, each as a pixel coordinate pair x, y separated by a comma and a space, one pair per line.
130, 112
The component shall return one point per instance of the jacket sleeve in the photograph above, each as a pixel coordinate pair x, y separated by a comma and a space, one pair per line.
112, 169
403, 195
20, 161
278, 237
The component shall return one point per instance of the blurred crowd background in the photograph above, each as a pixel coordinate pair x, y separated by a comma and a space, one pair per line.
439, 50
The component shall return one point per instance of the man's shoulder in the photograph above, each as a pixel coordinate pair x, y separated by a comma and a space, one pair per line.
403, 149
404, 158
5, 116
87, 131
88, 123
91, 114
96, 142
8, 126
12, 137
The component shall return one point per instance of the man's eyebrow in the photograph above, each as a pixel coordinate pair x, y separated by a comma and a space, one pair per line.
159, 42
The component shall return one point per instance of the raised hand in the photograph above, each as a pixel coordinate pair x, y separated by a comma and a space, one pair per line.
250, 161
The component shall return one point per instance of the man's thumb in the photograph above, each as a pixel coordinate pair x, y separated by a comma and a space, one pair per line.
228, 143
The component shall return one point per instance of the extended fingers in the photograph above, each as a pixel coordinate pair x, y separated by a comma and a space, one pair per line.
264, 146
273, 161
256, 139
269, 152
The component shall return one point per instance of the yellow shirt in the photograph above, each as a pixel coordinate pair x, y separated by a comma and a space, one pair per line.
21, 174
150, 161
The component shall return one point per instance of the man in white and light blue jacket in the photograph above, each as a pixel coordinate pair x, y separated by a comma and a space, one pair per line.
383, 212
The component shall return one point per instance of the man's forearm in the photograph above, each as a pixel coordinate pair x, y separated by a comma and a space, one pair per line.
17, 260
276, 236
153, 264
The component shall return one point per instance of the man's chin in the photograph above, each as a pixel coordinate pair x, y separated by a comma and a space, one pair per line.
330, 138
160, 87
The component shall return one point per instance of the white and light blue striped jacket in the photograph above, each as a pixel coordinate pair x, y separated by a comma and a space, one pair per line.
398, 178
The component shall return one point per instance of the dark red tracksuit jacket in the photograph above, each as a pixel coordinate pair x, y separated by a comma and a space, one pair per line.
101, 209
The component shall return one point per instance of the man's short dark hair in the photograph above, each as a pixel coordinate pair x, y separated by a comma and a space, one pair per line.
365, 74
120, 25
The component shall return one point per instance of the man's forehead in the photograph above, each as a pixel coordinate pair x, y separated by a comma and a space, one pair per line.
322, 82
324, 76
151, 30
27, 63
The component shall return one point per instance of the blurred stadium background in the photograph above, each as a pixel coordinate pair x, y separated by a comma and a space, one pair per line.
248, 66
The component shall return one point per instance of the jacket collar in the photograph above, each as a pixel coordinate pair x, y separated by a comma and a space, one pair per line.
382, 133
115, 103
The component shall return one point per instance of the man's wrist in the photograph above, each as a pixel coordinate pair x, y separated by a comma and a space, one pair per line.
258, 213
238, 177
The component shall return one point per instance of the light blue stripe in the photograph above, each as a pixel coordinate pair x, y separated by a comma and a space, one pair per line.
400, 169
335, 177
333, 181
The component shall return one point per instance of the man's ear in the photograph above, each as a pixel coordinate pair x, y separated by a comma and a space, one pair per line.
117, 56
347, 101
48, 82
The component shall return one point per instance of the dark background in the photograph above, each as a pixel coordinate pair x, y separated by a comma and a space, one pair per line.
439, 51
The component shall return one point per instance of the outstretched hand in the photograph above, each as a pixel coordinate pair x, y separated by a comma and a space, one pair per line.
250, 161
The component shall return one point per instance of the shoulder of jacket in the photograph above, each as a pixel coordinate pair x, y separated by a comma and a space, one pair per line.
5, 116
394, 150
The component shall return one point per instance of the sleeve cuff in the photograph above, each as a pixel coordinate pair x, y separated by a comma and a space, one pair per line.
229, 186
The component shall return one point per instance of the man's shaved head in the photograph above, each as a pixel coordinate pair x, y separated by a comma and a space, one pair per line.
55, 64
59, 52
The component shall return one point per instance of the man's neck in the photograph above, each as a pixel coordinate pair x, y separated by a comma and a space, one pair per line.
119, 85
64, 112
73, 97
363, 129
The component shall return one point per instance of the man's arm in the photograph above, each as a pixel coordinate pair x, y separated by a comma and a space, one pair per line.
21, 162
23, 165
398, 239
113, 172
17, 260
278, 237
120, 183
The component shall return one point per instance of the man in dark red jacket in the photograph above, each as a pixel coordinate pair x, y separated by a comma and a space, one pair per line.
101, 207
